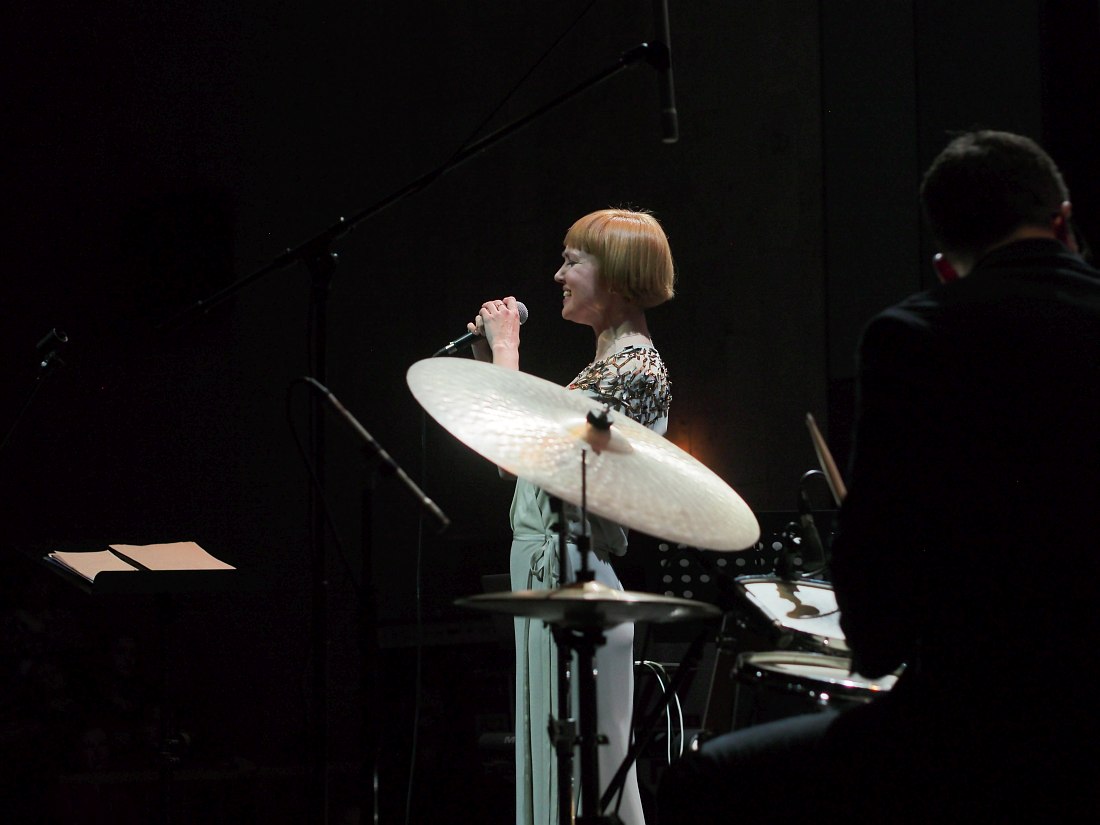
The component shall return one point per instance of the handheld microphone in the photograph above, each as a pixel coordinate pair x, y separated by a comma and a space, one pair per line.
662, 62
468, 339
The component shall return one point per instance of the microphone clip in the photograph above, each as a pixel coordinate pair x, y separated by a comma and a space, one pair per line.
49, 351
814, 559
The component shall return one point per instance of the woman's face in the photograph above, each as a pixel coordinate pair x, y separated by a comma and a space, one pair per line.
584, 299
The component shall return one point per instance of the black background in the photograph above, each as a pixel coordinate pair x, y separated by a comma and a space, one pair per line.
156, 153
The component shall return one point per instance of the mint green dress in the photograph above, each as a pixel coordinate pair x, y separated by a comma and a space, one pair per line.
633, 380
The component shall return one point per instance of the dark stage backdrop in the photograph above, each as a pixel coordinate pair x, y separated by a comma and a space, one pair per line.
158, 152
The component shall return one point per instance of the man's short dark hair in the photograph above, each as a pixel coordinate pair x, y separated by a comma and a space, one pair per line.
985, 185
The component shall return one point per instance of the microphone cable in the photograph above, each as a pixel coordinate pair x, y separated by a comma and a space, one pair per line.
665, 683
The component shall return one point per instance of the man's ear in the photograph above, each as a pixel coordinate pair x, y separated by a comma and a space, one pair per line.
1062, 227
944, 270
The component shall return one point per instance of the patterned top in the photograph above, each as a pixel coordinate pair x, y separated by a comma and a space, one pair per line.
634, 380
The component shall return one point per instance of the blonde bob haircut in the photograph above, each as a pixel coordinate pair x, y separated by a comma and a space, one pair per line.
633, 253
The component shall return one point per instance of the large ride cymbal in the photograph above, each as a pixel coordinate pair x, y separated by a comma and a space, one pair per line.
537, 431
591, 605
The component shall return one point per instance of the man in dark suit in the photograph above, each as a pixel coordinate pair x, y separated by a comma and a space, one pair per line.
969, 541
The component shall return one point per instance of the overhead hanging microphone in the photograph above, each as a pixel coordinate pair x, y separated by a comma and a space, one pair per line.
662, 62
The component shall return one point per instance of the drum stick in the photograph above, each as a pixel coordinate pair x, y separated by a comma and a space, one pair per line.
825, 459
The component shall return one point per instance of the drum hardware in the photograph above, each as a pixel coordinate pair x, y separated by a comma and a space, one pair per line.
761, 613
534, 430
772, 610
695, 573
648, 726
792, 610
805, 555
769, 613
579, 613
718, 712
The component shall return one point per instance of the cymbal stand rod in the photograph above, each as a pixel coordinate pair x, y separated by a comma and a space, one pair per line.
586, 712
565, 566
585, 574
585, 641
563, 730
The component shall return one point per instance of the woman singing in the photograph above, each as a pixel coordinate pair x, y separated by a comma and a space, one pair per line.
617, 264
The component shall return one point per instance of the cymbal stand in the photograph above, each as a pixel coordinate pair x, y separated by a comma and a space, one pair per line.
583, 640
563, 728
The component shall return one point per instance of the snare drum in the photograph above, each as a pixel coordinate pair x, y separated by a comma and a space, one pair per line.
777, 684
796, 614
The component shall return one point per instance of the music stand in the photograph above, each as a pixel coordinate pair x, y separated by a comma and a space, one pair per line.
161, 585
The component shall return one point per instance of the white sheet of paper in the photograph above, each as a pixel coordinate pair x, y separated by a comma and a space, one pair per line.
88, 563
178, 555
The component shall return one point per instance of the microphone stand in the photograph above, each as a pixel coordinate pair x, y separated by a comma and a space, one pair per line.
368, 614
49, 359
388, 464
319, 259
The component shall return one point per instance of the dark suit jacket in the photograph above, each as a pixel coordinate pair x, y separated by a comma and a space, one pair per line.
969, 542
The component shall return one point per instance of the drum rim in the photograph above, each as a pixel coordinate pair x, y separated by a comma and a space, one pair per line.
758, 578
759, 659
803, 657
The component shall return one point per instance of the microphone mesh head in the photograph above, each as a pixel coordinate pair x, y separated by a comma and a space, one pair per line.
522, 309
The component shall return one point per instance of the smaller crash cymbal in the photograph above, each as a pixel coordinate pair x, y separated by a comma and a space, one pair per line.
591, 604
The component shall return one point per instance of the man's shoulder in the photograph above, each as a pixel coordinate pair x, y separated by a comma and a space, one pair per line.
1065, 278
915, 313
1032, 262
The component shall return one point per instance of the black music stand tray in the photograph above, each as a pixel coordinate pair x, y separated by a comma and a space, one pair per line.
149, 582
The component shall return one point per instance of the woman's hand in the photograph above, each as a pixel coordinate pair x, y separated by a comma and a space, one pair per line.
498, 321
480, 347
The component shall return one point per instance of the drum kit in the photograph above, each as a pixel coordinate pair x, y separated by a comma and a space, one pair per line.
781, 652
583, 453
